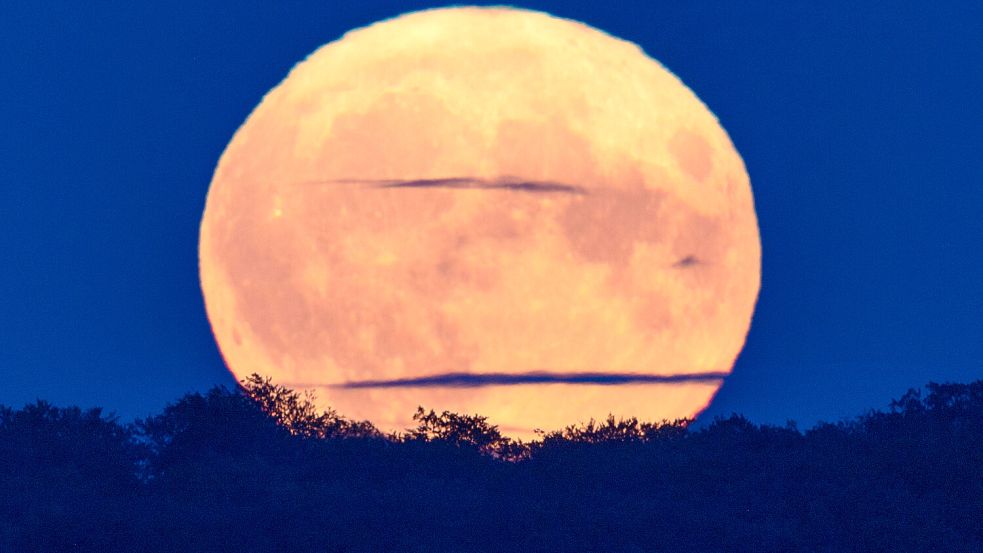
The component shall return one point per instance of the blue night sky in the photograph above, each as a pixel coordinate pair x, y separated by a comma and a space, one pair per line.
859, 123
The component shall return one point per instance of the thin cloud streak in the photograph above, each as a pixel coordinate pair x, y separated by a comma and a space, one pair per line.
469, 183
467, 380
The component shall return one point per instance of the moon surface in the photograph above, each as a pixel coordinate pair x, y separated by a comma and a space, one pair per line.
483, 210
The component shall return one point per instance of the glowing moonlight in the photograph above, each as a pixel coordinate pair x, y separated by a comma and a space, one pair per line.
483, 210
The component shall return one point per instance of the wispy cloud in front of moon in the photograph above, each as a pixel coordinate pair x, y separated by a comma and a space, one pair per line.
467, 380
470, 183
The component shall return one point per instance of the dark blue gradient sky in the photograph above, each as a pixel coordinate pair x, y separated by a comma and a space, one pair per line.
860, 124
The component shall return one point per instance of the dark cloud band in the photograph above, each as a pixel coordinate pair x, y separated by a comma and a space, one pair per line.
468, 183
466, 380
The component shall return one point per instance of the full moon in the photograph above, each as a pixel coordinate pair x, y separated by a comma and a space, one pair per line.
488, 211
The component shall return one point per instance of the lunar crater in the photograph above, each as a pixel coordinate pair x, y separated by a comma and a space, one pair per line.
687, 261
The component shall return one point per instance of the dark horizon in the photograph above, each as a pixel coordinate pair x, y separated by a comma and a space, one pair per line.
259, 469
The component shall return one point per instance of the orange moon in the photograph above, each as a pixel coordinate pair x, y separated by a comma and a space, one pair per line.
483, 210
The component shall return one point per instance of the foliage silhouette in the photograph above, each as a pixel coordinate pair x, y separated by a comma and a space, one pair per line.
259, 468
298, 413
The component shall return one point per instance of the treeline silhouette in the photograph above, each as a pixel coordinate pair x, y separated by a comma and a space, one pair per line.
260, 469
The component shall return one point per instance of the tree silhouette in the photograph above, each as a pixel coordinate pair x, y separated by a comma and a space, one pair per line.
298, 413
259, 468
618, 430
464, 431
65, 475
